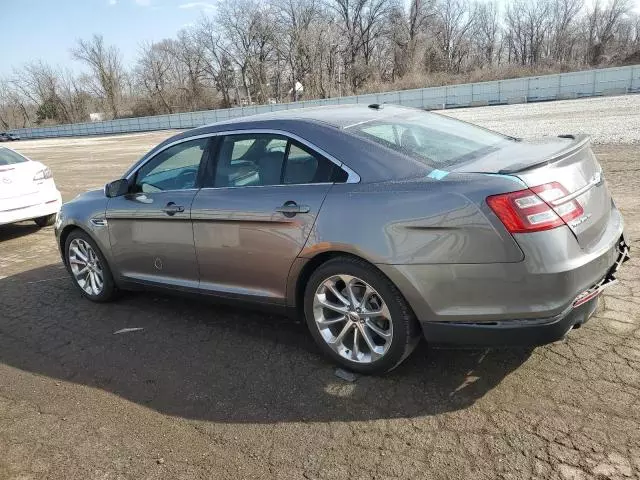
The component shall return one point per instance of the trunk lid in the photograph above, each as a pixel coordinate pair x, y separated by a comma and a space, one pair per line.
16, 182
567, 160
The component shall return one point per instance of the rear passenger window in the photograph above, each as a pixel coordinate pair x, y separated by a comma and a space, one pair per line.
305, 166
269, 159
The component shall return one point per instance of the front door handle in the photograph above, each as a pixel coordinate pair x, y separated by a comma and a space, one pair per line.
291, 208
171, 209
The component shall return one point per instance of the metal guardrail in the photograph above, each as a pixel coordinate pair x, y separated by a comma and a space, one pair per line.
589, 83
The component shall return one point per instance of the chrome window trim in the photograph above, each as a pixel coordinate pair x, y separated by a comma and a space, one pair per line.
142, 163
279, 185
352, 176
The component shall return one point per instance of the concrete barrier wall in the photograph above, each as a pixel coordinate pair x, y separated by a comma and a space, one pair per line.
609, 81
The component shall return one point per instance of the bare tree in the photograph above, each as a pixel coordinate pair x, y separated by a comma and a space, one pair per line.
154, 73
327, 77
247, 27
107, 73
218, 66
361, 23
294, 40
406, 29
601, 25
40, 84
190, 55
563, 29
75, 99
257, 50
455, 20
485, 33
14, 108
528, 24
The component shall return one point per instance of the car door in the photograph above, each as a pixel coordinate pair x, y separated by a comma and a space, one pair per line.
255, 212
150, 227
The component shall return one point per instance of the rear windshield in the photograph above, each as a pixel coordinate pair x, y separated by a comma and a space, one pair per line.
433, 139
9, 157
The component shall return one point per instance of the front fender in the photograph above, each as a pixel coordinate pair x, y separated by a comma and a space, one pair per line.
79, 213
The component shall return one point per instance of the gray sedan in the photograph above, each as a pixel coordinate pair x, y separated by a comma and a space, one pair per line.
379, 225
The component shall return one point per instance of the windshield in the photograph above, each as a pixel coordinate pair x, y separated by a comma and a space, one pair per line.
9, 157
433, 139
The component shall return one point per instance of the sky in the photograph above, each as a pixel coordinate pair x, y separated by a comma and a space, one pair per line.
48, 29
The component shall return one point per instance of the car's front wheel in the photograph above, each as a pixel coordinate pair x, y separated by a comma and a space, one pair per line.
358, 317
88, 267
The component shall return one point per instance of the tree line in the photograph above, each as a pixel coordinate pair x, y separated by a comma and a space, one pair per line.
257, 51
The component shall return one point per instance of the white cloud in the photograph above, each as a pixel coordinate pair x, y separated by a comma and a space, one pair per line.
200, 5
112, 2
143, 3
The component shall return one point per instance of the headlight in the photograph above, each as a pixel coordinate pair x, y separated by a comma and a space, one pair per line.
43, 174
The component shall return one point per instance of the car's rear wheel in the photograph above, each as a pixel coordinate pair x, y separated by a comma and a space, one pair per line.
358, 317
45, 221
88, 267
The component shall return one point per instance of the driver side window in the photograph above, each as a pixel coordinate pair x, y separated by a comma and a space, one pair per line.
175, 168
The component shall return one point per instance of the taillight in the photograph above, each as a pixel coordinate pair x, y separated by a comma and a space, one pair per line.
550, 192
531, 210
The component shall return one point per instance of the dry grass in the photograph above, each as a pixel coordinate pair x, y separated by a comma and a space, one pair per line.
421, 79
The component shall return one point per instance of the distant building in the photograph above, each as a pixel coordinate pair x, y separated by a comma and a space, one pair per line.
96, 117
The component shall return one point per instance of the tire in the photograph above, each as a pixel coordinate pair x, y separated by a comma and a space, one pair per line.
401, 326
73, 251
45, 221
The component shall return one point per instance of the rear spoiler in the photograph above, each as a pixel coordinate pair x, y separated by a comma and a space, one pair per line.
578, 143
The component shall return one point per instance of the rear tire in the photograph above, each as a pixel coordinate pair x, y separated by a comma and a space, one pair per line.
379, 329
88, 267
45, 221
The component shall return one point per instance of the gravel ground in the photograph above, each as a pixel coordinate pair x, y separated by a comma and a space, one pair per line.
608, 120
205, 391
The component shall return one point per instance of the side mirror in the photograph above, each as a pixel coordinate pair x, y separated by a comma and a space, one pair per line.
116, 188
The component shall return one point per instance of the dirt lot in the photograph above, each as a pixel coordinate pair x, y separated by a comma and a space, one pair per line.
214, 392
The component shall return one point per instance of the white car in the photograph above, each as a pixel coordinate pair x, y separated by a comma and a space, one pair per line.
27, 190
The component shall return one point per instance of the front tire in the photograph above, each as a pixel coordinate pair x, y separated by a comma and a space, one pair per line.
88, 267
358, 317
45, 221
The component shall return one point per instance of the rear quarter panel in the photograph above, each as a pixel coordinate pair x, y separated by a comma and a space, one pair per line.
421, 221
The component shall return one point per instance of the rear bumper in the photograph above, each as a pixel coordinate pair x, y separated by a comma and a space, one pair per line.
48, 205
527, 332
529, 302
511, 333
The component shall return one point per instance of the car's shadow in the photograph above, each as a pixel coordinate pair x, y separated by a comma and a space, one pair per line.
17, 230
199, 360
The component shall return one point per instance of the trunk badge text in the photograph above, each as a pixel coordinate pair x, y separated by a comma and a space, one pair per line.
580, 220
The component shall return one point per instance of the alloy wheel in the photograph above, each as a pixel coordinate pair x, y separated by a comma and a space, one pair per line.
86, 267
352, 318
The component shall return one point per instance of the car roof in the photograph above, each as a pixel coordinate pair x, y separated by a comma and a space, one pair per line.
340, 116
323, 127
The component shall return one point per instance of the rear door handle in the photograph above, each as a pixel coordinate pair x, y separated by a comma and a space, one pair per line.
290, 208
171, 209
